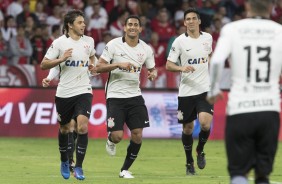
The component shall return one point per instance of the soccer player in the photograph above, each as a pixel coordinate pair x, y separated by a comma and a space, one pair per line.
73, 53
252, 123
193, 49
72, 132
123, 58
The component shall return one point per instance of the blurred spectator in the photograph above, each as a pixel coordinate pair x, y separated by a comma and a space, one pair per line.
179, 31
117, 10
217, 25
237, 16
178, 15
23, 16
4, 5
162, 26
134, 7
9, 29
232, 7
116, 28
4, 51
15, 8
65, 6
38, 46
20, 47
1, 19
101, 45
97, 16
223, 13
277, 11
29, 27
77, 4
145, 35
88, 10
55, 18
206, 14
159, 50
56, 33
40, 13
154, 8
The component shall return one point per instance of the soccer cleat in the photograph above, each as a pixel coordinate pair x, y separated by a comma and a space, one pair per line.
78, 173
111, 148
190, 170
201, 161
71, 165
125, 174
65, 170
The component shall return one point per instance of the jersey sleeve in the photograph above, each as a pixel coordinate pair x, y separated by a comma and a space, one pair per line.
93, 51
53, 52
221, 53
174, 52
108, 52
210, 42
53, 72
150, 60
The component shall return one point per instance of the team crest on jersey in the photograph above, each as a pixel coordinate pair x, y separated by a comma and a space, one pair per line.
111, 122
179, 115
140, 57
206, 46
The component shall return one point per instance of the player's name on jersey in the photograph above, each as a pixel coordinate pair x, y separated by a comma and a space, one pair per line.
255, 103
257, 88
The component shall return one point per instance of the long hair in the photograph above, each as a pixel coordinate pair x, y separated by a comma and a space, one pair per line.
70, 18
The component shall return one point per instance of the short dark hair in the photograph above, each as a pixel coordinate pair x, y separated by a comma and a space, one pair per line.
132, 17
70, 18
192, 10
260, 6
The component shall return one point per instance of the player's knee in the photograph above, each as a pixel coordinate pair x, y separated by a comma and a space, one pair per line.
64, 129
188, 128
116, 138
205, 126
82, 128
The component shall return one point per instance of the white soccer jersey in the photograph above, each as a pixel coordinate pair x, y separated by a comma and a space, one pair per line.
192, 52
74, 74
255, 47
121, 83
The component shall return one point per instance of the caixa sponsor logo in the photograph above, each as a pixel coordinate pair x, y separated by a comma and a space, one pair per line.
43, 113
74, 63
197, 61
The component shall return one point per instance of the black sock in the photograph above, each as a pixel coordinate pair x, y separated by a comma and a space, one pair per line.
203, 138
81, 146
63, 146
187, 141
109, 137
74, 142
70, 146
262, 180
132, 152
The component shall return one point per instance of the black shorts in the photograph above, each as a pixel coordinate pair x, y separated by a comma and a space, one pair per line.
70, 108
131, 111
189, 107
251, 142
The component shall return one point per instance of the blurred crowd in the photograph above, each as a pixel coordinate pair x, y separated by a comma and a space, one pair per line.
29, 27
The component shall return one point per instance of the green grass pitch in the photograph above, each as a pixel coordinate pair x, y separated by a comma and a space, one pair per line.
160, 161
